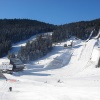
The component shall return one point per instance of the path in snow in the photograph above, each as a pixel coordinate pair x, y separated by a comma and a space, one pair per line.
87, 50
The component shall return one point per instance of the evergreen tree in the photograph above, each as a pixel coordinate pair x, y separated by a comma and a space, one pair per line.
15, 30
36, 49
81, 30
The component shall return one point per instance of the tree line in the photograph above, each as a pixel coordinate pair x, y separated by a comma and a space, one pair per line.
80, 29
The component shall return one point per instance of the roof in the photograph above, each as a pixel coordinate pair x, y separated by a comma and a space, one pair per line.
2, 76
16, 61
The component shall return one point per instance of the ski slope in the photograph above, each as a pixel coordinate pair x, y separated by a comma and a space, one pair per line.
63, 74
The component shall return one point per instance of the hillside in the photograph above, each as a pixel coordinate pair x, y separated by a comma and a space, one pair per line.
63, 74
15, 30
80, 29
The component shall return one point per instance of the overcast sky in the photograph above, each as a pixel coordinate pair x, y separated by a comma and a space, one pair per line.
51, 11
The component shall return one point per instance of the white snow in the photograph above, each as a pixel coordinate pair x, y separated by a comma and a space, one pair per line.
63, 74
4, 60
95, 54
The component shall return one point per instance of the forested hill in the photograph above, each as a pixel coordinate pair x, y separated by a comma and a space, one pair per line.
80, 29
15, 30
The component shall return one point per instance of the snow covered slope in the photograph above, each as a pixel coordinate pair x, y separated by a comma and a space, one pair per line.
63, 74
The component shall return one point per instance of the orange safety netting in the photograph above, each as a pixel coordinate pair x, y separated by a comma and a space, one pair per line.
12, 80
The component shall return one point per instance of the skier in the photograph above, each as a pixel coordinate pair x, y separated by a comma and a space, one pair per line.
10, 89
